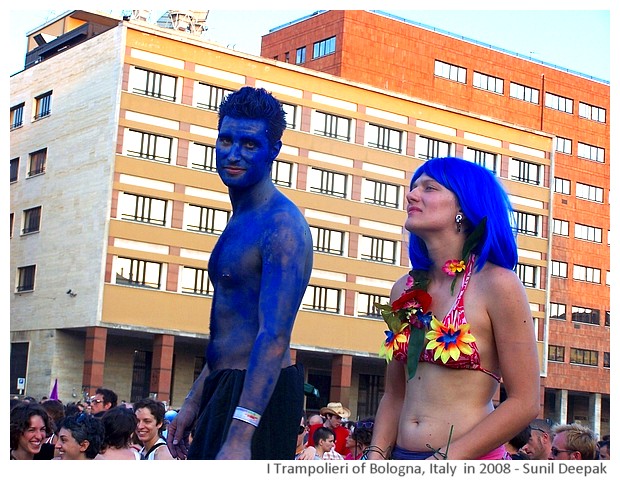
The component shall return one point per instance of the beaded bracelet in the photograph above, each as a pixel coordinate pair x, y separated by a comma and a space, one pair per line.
247, 416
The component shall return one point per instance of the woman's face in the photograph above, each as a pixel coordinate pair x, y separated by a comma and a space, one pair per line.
430, 206
148, 428
33, 437
68, 447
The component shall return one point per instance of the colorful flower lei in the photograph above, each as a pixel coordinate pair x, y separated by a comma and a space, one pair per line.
408, 318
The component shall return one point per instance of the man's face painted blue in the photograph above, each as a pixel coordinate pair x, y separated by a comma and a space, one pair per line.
243, 153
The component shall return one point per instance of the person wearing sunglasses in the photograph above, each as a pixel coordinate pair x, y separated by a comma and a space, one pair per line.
103, 400
538, 447
573, 442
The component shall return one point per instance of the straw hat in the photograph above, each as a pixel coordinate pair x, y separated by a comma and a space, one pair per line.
336, 408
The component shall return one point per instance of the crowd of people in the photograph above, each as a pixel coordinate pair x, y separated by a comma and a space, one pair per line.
98, 429
108, 430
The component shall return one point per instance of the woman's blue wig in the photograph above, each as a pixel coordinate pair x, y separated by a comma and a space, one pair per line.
479, 194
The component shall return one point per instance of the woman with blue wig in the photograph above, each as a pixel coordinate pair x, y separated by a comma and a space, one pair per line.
458, 324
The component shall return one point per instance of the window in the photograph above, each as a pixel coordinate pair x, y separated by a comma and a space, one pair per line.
591, 112
556, 353
480, 157
25, 278
332, 126
380, 193
558, 102
586, 315
149, 146
586, 232
17, 116
154, 84
526, 172
580, 356
606, 360
589, 192
139, 273
210, 96
321, 298
43, 105
327, 183
487, 82
32, 220
528, 274
590, 152
290, 112
378, 250
196, 281
586, 274
607, 318
202, 157
564, 145
37, 163
14, 169
287, 56
557, 311
560, 227
451, 72
324, 47
559, 269
300, 55
366, 305
527, 223
561, 185
206, 219
143, 209
325, 240
521, 92
282, 173
11, 223
430, 148
384, 138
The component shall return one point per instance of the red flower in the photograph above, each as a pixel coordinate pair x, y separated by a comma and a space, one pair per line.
412, 299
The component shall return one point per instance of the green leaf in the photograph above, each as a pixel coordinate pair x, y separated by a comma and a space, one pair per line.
474, 237
416, 344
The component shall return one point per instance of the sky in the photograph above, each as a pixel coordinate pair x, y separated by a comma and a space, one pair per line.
569, 34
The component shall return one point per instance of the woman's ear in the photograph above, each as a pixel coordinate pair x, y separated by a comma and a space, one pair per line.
84, 445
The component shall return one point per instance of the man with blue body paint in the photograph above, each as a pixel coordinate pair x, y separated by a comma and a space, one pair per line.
248, 399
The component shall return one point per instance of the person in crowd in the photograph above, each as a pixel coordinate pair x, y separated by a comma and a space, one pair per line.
515, 445
359, 440
56, 411
248, 399
334, 413
323, 439
170, 415
74, 408
80, 437
150, 415
459, 322
538, 447
303, 451
603, 449
119, 424
103, 400
30, 426
573, 442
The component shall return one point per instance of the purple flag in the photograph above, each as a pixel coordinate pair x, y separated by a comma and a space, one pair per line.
54, 394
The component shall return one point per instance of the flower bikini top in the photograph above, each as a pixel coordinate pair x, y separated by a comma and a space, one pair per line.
449, 344
453, 334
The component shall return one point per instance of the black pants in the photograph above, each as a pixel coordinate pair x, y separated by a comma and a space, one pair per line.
276, 435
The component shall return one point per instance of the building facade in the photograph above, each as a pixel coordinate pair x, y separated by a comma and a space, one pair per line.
426, 63
116, 206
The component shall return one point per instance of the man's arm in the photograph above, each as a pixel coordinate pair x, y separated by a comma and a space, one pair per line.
286, 266
180, 427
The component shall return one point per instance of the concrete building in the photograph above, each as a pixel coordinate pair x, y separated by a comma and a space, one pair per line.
116, 205
440, 67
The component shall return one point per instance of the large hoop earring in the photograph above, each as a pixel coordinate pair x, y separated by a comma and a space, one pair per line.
459, 221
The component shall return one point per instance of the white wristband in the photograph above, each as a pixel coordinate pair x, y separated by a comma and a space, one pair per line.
247, 416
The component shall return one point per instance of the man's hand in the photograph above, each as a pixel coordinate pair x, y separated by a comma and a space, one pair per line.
179, 429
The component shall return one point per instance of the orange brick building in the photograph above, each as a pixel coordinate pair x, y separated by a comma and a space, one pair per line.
419, 61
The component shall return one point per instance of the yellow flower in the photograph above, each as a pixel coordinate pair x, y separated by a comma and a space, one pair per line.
449, 341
